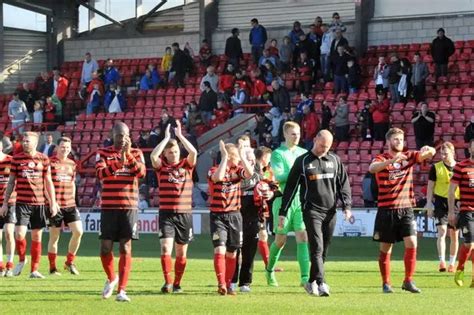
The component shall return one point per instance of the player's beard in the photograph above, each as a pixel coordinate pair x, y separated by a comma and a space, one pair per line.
395, 148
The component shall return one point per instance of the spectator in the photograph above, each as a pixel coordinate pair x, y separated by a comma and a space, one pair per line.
48, 147
295, 33
18, 113
337, 23
341, 120
60, 85
108, 140
28, 96
114, 100
93, 103
226, 80
88, 67
381, 76
264, 125
143, 139
111, 74
441, 49
394, 75
267, 57
268, 141
314, 54
286, 55
381, 116
305, 101
419, 74
194, 118
212, 78
338, 41
366, 122
270, 73
6, 143
38, 114
222, 112
424, 125
243, 80
305, 72
154, 137
259, 88
207, 102
146, 82
353, 75
309, 127
368, 186
205, 53
142, 202
468, 135
280, 97
233, 48
166, 62
326, 115
303, 45
239, 98
179, 65
96, 81
257, 38
43, 85
325, 51
404, 86
318, 22
155, 76
273, 49
165, 120
340, 70
276, 118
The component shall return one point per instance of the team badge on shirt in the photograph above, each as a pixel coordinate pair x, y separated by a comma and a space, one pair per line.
31, 164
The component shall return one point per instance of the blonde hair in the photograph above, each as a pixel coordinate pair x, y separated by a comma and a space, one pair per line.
31, 134
393, 131
448, 146
290, 125
171, 143
243, 138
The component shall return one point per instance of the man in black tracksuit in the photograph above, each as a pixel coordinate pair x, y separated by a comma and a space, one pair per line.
323, 179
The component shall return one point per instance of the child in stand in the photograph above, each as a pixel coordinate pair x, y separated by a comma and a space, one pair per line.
94, 100
166, 64
49, 113
37, 115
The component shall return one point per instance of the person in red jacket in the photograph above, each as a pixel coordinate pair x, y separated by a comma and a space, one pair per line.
310, 126
380, 110
95, 80
60, 85
304, 69
226, 80
258, 87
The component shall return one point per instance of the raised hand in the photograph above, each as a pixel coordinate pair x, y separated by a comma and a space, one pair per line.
167, 131
222, 149
177, 130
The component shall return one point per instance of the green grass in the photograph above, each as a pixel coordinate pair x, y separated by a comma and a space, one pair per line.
352, 273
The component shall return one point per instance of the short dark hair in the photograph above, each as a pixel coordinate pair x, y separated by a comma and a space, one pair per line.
15, 93
334, 14
417, 54
175, 45
234, 31
254, 20
64, 139
261, 151
204, 41
207, 84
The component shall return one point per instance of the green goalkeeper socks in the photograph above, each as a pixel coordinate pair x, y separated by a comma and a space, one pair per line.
302, 253
275, 253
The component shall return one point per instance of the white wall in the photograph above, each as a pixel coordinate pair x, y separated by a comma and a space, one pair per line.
390, 8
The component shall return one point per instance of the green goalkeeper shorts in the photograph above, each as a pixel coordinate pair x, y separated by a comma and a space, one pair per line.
294, 218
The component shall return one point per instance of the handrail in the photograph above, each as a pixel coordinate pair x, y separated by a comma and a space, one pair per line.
20, 61
42, 127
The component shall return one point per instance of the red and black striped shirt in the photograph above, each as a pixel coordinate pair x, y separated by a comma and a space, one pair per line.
463, 175
175, 186
225, 195
63, 174
5, 169
395, 182
304, 70
119, 182
30, 172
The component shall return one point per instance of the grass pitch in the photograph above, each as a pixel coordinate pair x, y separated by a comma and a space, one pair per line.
352, 273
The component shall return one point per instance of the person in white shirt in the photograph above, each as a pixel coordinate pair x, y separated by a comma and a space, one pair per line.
212, 78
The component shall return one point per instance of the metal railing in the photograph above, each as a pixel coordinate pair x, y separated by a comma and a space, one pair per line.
20, 61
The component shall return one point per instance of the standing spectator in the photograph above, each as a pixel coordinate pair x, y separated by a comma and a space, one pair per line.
366, 122
207, 103
394, 75
257, 38
93, 103
155, 76
353, 75
314, 38
469, 135
205, 53
325, 51
404, 86
38, 114
233, 48
264, 125
48, 147
441, 49
309, 126
381, 76
341, 119
60, 85
165, 120
111, 74
268, 141
28, 96
318, 22
270, 73
424, 125
340, 70
273, 48
179, 65
88, 67
305, 70
146, 82
286, 54
43, 85
295, 33
338, 41
418, 78
18, 113
381, 117
166, 62
337, 23
212, 78
239, 98
303, 45
96, 81
306, 100
280, 97
114, 100
326, 115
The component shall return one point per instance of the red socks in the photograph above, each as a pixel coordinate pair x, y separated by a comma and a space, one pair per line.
35, 255
125, 265
410, 263
9, 265
52, 261
220, 268
179, 266
230, 265
70, 259
264, 251
21, 249
108, 265
463, 255
1, 265
384, 266
166, 264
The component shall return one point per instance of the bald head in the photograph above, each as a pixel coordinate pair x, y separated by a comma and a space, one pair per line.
322, 143
120, 134
120, 127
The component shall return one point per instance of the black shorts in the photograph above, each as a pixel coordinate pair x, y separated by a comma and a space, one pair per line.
392, 225
10, 217
66, 215
440, 213
178, 226
226, 230
466, 225
32, 216
117, 224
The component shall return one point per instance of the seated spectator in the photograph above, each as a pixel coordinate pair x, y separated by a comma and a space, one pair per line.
207, 102
166, 64
270, 73
194, 118
273, 49
109, 141
424, 126
222, 112
28, 96
268, 141
306, 100
353, 75
111, 74
142, 202
295, 33
381, 76
233, 48
380, 110
142, 141
38, 114
326, 115
93, 103
304, 69
18, 113
243, 80
337, 23
239, 98
212, 78
155, 76
276, 118
259, 88
154, 138
366, 123
146, 82
205, 53
114, 100
340, 70
266, 57
309, 127
469, 135
226, 80
286, 55
43, 85
280, 97
264, 125
419, 74
341, 119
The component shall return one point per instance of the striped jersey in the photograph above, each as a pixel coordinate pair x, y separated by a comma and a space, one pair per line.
63, 174
175, 186
119, 182
30, 172
464, 177
395, 182
225, 195
5, 169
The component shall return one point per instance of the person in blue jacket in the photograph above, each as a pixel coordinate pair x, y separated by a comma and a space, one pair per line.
146, 83
295, 33
155, 76
114, 100
257, 38
111, 74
